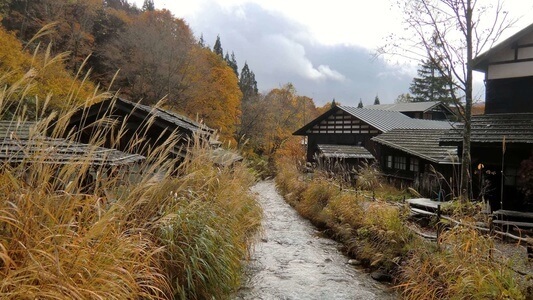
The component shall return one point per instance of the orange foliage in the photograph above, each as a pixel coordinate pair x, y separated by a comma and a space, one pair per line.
44, 76
275, 117
478, 108
213, 95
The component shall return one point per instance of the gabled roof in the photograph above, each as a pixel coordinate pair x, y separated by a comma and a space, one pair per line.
383, 120
23, 142
407, 107
344, 151
163, 118
423, 143
480, 63
517, 128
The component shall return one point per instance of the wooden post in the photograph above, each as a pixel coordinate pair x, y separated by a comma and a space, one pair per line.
491, 234
438, 225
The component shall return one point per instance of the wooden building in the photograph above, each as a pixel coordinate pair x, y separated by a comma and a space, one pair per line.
414, 158
434, 110
500, 144
25, 145
502, 139
350, 126
24, 142
508, 69
136, 128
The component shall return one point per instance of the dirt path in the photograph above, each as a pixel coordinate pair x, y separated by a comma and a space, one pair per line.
292, 261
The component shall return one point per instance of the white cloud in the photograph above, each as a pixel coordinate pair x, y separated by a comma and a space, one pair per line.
332, 74
280, 50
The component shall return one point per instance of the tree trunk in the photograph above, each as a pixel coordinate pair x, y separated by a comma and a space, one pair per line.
465, 164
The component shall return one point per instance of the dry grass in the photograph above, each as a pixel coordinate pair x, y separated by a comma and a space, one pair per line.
149, 236
375, 232
461, 269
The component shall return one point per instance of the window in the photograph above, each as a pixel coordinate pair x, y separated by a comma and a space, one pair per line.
400, 162
414, 164
388, 160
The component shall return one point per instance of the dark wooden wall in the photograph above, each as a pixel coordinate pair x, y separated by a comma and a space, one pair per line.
510, 95
432, 180
489, 178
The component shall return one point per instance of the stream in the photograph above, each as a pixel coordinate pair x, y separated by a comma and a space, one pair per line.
292, 260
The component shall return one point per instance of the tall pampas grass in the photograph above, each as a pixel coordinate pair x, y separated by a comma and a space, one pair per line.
164, 228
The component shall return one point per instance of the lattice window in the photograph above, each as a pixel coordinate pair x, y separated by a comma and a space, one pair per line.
414, 165
400, 162
388, 161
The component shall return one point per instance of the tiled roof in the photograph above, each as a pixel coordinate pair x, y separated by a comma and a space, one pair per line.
423, 143
16, 129
22, 142
385, 120
344, 151
517, 128
169, 116
406, 107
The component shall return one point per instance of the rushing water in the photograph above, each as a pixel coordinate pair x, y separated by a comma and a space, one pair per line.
293, 261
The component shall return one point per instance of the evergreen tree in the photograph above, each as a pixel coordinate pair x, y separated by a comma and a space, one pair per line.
376, 100
148, 5
248, 84
430, 85
333, 103
232, 62
201, 41
218, 47
360, 105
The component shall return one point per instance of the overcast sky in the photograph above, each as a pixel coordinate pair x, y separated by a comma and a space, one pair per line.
324, 48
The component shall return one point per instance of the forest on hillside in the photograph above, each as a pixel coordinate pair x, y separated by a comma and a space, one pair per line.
146, 55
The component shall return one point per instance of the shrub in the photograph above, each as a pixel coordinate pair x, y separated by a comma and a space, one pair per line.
463, 269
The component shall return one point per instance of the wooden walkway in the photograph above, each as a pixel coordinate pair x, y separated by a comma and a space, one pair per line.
425, 204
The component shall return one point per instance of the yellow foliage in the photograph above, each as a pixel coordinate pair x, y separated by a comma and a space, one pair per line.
44, 76
215, 96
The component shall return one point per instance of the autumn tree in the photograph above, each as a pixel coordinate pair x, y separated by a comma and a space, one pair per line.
73, 32
327, 106
404, 98
283, 112
452, 32
271, 119
158, 57
213, 96
44, 77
